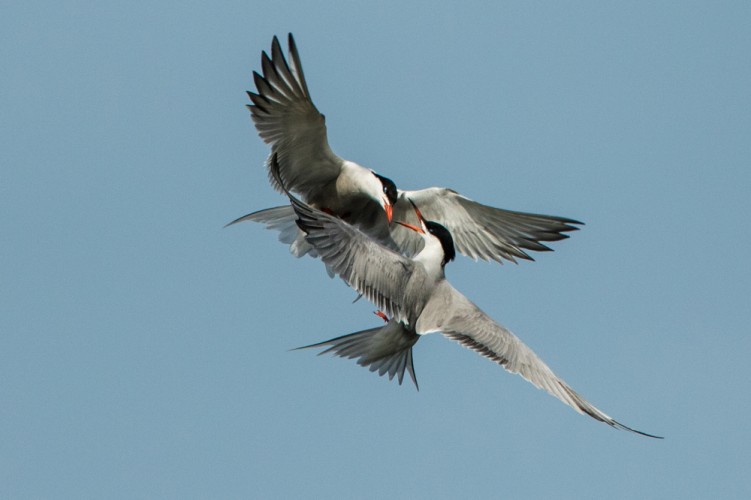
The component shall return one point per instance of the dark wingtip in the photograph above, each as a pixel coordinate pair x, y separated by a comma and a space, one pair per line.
302, 225
239, 219
266, 64
627, 428
258, 80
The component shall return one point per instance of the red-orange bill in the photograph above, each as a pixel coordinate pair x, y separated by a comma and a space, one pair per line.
410, 226
417, 210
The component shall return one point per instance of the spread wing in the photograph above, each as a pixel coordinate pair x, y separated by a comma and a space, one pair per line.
479, 231
376, 272
474, 329
284, 220
387, 349
287, 119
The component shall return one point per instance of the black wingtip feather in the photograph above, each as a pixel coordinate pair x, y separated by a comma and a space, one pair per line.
294, 57
259, 103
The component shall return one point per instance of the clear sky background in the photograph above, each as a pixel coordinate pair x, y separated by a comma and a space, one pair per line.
145, 349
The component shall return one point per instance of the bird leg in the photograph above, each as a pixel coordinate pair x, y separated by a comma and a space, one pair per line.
381, 315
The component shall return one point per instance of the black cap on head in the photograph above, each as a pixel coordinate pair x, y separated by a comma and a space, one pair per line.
443, 235
389, 188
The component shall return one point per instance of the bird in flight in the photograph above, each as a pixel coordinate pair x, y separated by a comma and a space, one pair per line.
415, 295
286, 119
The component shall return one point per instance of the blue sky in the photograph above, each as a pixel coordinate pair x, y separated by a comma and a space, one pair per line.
145, 349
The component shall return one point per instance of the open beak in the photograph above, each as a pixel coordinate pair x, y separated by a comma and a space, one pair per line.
417, 211
410, 226
420, 218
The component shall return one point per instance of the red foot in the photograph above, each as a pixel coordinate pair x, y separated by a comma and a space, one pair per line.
328, 211
381, 315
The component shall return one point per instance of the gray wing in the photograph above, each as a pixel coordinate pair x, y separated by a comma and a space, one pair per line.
284, 220
471, 327
380, 274
387, 349
286, 118
479, 231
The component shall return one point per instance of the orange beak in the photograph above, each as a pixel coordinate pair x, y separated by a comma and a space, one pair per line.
389, 211
410, 226
419, 217
417, 210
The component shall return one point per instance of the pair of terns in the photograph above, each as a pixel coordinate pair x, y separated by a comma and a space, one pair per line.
390, 245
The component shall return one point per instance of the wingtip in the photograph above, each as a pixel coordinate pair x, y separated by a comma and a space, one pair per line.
275, 42
251, 216
620, 426
296, 65
239, 219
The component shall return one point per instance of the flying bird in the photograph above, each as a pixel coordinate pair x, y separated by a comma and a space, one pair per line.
286, 119
415, 295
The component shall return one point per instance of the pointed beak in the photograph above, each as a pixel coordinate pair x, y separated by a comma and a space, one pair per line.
420, 218
417, 211
389, 209
410, 226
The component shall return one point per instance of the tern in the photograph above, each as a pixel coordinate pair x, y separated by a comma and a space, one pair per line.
286, 119
419, 300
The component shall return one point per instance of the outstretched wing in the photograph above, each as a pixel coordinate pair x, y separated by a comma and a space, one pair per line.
284, 220
376, 272
387, 349
287, 119
471, 327
480, 231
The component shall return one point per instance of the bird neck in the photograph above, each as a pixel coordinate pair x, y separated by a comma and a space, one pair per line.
431, 257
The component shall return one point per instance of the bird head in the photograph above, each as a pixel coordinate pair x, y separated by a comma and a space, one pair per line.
429, 228
387, 194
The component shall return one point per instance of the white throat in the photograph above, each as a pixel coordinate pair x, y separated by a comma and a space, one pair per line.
431, 256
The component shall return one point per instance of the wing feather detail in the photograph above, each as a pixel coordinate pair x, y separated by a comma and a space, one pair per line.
286, 119
386, 349
481, 231
284, 220
376, 272
473, 329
